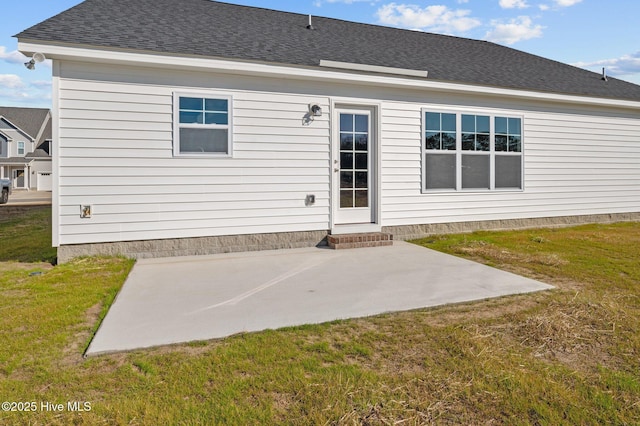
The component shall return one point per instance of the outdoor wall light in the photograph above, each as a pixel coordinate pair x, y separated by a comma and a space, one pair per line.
315, 110
35, 59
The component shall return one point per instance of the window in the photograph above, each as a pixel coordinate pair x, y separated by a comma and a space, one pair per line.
20, 148
471, 152
508, 146
440, 143
476, 135
4, 150
202, 125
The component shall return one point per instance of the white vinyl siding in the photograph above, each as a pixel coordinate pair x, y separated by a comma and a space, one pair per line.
116, 154
578, 161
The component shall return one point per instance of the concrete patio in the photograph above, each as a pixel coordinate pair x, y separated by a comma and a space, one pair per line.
174, 300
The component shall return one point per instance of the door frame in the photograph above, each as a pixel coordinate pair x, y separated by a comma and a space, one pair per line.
15, 177
373, 108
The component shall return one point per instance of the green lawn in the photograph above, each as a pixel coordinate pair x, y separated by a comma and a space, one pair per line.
568, 356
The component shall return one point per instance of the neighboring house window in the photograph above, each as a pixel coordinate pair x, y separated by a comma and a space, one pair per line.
471, 152
4, 150
20, 148
202, 125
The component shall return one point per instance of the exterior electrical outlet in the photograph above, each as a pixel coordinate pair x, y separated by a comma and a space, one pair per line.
85, 212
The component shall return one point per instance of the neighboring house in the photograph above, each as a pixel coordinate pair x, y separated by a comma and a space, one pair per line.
25, 147
192, 127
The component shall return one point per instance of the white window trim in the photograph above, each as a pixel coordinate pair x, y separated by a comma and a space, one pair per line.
459, 152
23, 149
177, 125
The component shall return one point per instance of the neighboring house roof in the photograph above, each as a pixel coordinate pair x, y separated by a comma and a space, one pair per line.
46, 135
29, 121
213, 29
38, 153
12, 161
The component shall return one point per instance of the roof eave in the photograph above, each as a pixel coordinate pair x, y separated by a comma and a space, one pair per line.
96, 54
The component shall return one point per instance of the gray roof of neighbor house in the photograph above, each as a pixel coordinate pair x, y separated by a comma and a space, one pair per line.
29, 120
213, 29
38, 153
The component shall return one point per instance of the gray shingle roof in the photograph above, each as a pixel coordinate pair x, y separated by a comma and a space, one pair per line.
29, 120
11, 161
38, 153
213, 29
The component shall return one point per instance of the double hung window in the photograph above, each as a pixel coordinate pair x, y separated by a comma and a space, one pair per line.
202, 125
471, 152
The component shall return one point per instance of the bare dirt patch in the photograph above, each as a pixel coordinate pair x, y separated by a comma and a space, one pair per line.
73, 353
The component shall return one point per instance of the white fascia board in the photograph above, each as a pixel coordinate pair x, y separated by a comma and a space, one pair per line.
154, 60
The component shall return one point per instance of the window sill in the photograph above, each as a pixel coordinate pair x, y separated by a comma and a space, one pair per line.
470, 191
203, 156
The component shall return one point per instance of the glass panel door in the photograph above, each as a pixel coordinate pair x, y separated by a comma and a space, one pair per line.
354, 167
354, 160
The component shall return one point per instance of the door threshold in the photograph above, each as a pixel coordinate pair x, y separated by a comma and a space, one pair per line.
355, 228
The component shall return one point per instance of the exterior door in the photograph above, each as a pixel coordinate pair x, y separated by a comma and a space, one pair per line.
352, 161
18, 179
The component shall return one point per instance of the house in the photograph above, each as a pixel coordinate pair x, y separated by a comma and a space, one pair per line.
197, 127
25, 147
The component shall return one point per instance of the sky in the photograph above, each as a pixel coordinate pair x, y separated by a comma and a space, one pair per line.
591, 34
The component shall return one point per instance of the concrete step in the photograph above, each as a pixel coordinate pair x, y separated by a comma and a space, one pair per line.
369, 239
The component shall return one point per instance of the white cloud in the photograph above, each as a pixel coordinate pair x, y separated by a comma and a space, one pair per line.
47, 84
15, 91
625, 65
13, 57
566, 3
434, 18
513, 4
319, 3
11, 81
12, 88
556, 4
517, 29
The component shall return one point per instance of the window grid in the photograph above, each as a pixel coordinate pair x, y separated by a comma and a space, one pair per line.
508, 134
440, 131
354, 160
476, 132
202, 125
